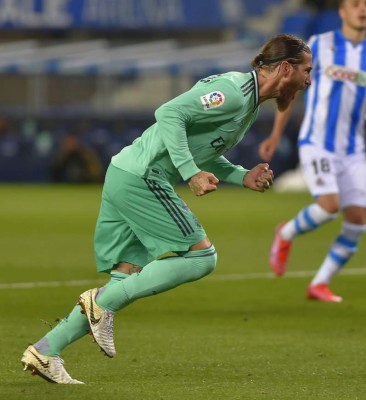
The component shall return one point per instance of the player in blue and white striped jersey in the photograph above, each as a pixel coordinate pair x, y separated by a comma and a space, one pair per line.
331, 147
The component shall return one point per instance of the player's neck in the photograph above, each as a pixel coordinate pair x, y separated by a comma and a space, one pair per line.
267, 86
354, 35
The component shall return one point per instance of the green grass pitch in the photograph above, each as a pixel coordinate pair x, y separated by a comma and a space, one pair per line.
237, 334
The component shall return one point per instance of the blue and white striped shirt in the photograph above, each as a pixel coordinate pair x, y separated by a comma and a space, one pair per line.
335, 103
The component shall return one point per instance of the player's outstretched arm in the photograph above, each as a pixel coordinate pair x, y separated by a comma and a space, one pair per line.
259, 178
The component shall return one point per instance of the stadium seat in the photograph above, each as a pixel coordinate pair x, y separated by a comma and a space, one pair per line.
326, 21
259, 7
299, 24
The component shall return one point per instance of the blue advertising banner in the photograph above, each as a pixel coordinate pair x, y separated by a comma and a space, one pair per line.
119, 14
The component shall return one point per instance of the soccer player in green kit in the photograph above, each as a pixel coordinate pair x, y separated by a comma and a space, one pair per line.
146, 237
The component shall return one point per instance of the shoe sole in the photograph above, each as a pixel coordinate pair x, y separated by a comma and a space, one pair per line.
314, 298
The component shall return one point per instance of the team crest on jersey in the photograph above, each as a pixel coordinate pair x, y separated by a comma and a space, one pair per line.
212, 100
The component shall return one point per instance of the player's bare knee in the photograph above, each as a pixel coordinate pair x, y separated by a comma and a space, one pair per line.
330, 204
203, 244
127, 268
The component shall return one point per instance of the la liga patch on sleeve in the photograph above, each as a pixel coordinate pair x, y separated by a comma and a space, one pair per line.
212, 100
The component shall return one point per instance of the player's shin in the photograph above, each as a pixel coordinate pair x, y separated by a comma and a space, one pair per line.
308, 219
71, 328
341, 251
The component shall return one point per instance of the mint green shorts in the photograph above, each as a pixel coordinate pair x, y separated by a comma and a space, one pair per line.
141, 219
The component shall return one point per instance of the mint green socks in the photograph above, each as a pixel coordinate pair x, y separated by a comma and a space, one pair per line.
157, 277
71, 328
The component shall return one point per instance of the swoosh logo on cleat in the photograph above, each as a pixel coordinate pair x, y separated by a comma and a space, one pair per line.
93, 320
45, 364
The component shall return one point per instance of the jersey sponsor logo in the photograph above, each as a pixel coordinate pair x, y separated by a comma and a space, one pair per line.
344, 74
218, 144
212, 100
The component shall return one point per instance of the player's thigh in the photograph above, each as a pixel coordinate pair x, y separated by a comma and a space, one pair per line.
320, 170
159, 218
114, 240
352, 181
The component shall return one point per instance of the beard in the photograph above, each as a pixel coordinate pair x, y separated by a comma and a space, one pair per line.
286, 97
283, 102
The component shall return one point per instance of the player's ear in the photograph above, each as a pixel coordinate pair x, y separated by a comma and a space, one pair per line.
285, 67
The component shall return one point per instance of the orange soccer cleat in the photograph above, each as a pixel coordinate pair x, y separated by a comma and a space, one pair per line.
279, 252
322, 292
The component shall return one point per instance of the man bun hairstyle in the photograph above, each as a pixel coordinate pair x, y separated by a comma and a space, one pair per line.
280, 48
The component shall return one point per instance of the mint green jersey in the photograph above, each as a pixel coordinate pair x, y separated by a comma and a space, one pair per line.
195, 129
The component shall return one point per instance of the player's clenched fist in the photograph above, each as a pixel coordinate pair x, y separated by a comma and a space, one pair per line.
203, 183
259, 178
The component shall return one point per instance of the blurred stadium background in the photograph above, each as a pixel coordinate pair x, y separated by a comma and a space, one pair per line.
81, 78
